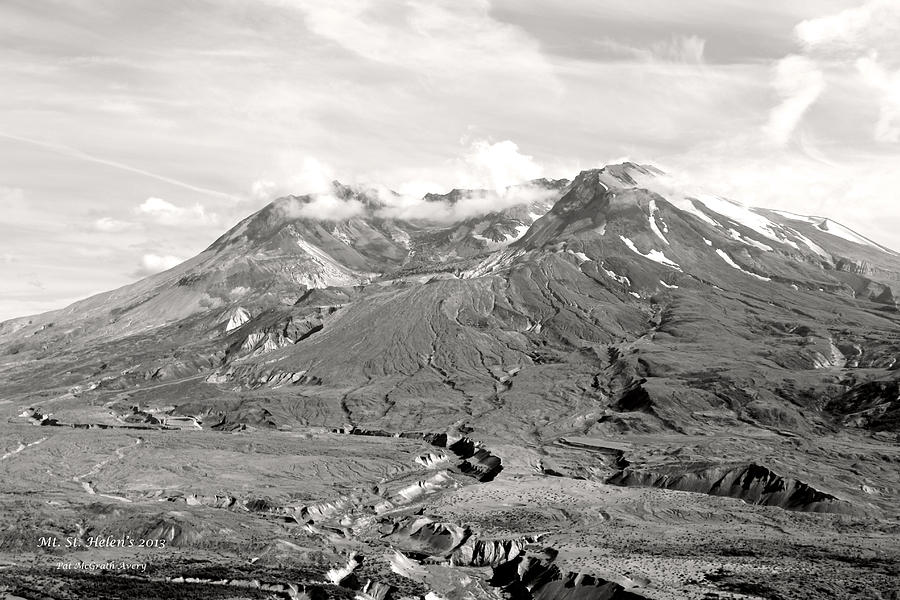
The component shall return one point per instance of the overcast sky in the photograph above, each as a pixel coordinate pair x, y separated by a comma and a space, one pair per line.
134, 132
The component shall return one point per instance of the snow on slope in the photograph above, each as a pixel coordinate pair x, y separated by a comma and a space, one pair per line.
654, 211
833, 228
613, 275
724, 255
749, 241
810, 244
746, 217
581, 256
654, 255
520, 231
687, 205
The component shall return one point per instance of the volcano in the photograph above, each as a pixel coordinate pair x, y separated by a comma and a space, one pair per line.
569, 395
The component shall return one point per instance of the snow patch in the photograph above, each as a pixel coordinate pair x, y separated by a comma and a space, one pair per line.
520, 231
613, 275
688, 206
581, 256
845, 233
810, 244
666, 285
831, 227
749, 241
724, 255
654, 255
745, 216
654, 211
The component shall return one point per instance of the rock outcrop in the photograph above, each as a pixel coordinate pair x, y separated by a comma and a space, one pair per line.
538, 578
751, 483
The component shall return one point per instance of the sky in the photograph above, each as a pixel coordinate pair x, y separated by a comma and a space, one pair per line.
132, 134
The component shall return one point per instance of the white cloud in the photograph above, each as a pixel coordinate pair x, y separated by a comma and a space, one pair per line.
13, 205
110, 225
687, 49
887, 84
499, 168
799, 82
456, 43
295, 174
164, 212
865, 38
470, 204
873, 24
321, 207
499, 165
676, 49
155, 263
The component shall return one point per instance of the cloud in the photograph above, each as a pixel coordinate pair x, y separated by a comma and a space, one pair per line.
799, 82
165, 213
676, 49
455, 43
12, 197
499, 165
686, 49
84, 156
295, 173
110, 225
320, 207
155, 263
13, 204
470, 203
887, 84
492, 176
495, 171
866, 39
873, 24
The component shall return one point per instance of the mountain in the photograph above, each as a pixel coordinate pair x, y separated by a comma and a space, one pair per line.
592, 332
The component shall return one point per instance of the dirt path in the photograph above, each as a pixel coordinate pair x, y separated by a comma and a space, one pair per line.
118, 454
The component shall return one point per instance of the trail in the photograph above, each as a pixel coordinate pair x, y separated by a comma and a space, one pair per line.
21, 448
118, 454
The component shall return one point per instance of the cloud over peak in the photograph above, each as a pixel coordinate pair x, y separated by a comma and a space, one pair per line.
163, 212
155, 263
493, 175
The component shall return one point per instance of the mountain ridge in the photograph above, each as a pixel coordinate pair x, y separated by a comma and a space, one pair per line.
617, 175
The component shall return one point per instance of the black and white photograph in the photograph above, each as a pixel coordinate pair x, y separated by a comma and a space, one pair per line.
449, 300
